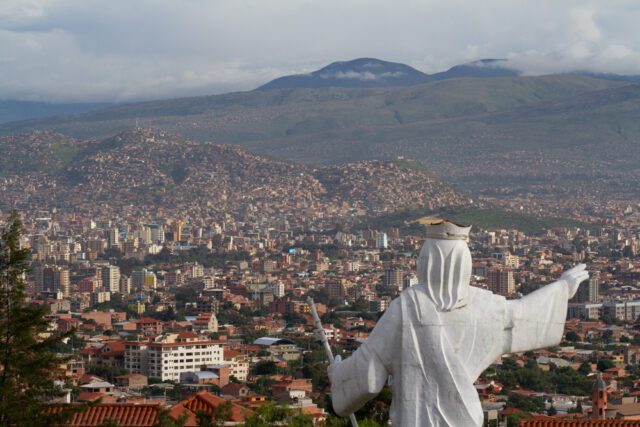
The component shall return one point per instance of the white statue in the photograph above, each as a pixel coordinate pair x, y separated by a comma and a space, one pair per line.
435, 340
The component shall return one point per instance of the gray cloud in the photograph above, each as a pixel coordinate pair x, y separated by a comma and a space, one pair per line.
119, 50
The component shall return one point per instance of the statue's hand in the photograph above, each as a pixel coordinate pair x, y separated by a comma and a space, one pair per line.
574, 276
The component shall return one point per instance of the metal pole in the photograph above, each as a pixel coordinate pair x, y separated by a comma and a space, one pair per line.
325, 344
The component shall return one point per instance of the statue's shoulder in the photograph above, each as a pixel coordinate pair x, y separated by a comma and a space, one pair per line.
483, 296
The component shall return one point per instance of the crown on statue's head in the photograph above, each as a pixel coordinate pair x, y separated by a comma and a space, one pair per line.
448, 230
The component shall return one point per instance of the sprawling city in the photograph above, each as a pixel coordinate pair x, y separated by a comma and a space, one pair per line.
199, 256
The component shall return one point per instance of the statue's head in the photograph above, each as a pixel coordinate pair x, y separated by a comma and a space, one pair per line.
444, 264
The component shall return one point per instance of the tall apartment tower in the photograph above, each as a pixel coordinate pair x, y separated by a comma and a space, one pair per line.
588, 292
393, 278
125, 285
111, 278
177, 231
113, 237
501, 281
382, 241
157, 233
55, 278
409, 281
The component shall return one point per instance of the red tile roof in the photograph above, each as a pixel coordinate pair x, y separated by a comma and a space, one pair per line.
125, 414
207, 403
563, 422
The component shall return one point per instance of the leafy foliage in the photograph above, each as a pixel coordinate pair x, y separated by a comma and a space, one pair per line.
27, 351
270, 414
561, 380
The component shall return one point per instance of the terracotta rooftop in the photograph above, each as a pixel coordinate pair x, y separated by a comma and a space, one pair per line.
126, 415
206, 402
563, 422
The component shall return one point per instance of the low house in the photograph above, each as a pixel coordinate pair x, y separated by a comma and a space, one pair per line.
214, 374
148, 326
291, 390
205, 323
280, 349
236, 390
132, 381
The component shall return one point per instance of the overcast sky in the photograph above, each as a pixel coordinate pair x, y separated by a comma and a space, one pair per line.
122, 50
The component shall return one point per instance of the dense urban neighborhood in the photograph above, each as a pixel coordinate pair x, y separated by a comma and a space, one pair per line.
170, 314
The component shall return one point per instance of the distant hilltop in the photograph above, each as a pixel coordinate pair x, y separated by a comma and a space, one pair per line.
372, 72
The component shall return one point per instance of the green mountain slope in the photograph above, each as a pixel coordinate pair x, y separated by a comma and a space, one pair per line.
306, 121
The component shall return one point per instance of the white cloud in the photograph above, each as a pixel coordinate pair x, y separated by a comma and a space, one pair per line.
79, 50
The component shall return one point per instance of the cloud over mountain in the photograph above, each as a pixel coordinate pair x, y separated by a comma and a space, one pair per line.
118, 50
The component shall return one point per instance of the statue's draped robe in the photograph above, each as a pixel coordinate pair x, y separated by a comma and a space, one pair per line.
432, 358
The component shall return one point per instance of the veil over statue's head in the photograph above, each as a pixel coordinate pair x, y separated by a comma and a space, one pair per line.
444, 264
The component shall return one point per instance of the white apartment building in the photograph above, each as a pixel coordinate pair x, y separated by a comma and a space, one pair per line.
171, 354
111, 278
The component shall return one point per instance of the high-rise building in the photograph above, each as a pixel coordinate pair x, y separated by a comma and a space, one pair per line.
501, 281
409, 281
166, 358
113, 237
269, 266
194, 270
278, 289
177, 231
588, 292
507, 259
157, 233
393, 277
55, 278
100, 297
336, 289
379, 305
125, 285
143, 279
381, 241
111, 278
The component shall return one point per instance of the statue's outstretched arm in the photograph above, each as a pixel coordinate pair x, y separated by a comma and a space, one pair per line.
361, 376
537, 320
356, 380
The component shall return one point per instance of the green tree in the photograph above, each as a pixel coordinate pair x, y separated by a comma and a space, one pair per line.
271, 414
605, 364
585, 368
204, 419
525, 403
27, 351
223, 413
572, 336
266, 367
166, 420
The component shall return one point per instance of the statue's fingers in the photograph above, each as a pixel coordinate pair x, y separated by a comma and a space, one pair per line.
579, 274
579, 277
579, 267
